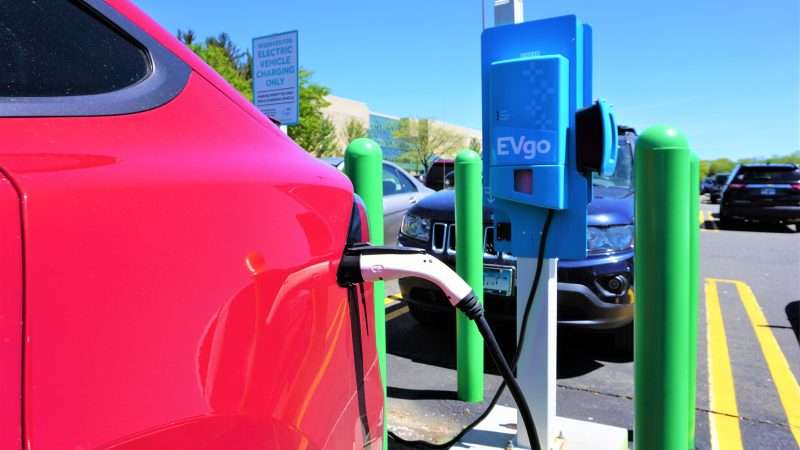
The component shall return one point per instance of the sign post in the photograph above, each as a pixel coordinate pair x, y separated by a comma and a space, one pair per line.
275, 77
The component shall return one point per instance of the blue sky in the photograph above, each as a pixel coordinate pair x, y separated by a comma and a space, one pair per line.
727, 73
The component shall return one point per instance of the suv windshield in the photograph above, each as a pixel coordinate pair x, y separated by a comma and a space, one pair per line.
768, 174
623, 174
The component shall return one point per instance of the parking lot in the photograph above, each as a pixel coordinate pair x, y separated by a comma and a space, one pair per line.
748, 353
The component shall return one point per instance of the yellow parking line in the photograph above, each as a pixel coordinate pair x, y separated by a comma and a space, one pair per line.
392, 299
785, 382
395, 314
711, 224
702, 217
724, 415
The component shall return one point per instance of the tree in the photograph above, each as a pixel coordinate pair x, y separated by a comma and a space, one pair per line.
353, 130
187, 37
315, 132
704, 167
720, 165
421, 140
231, 50
475, 144
219, 60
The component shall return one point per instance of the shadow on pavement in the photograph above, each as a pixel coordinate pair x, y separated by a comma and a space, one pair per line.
421, 394
710, 225
793, 314
579, 352
750, 226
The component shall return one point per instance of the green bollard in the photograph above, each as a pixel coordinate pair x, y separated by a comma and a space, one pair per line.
661, 271
694, 286
469, 265
363, 164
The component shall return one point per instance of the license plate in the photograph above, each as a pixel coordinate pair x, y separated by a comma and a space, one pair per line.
498, 280
768, 191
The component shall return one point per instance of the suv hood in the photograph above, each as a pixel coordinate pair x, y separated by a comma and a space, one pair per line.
609, 206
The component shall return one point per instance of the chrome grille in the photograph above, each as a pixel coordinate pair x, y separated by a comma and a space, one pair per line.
451, 239
439, 237
488, 242
444, 239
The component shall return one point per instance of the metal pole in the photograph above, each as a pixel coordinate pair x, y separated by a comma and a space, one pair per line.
469, 264
694, 286
536, 369
661, 328
363, 164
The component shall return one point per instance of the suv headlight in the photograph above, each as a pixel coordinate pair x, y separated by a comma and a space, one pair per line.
416, 227
610, 239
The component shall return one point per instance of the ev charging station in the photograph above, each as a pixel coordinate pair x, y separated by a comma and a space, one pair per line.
543, 136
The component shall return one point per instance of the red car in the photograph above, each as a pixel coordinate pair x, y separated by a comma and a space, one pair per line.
169, 256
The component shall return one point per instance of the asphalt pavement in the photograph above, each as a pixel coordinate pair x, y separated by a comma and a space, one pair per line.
748, 354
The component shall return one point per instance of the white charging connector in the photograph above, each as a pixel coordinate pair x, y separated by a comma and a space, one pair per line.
420, 265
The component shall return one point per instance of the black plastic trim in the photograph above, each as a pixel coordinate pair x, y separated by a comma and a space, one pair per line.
166, 80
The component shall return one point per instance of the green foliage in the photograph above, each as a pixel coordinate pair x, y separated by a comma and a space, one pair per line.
704, 166
474, 144
353, 130
315, 132
722, 165
219, 60
421, 140
790, 158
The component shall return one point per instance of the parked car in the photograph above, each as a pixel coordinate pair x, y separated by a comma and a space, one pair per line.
767, 193
401, 191
593, 293
436, 175
706, 185
169, 255
717, 186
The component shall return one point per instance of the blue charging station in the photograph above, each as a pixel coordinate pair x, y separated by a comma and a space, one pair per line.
536, 78
543, 137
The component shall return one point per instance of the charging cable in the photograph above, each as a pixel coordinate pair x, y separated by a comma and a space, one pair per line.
363, 263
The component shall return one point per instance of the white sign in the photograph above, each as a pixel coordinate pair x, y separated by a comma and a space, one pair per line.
275, 77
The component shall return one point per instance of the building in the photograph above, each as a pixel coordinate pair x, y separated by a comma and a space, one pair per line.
381, 127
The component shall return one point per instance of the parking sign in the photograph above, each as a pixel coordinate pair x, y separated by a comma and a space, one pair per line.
275, 77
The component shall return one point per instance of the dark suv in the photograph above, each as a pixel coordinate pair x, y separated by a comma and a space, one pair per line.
762, 193
718, 182
436, 177
593, 293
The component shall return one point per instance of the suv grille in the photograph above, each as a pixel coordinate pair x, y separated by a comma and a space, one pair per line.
444, 239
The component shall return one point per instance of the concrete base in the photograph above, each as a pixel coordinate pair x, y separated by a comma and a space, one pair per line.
499, 429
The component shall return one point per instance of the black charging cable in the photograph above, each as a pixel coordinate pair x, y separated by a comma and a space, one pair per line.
534, 441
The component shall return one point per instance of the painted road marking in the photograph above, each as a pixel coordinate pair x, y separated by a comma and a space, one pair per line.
392, 301
782, 376
708, 224
397, 313
712, 221
723, 416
